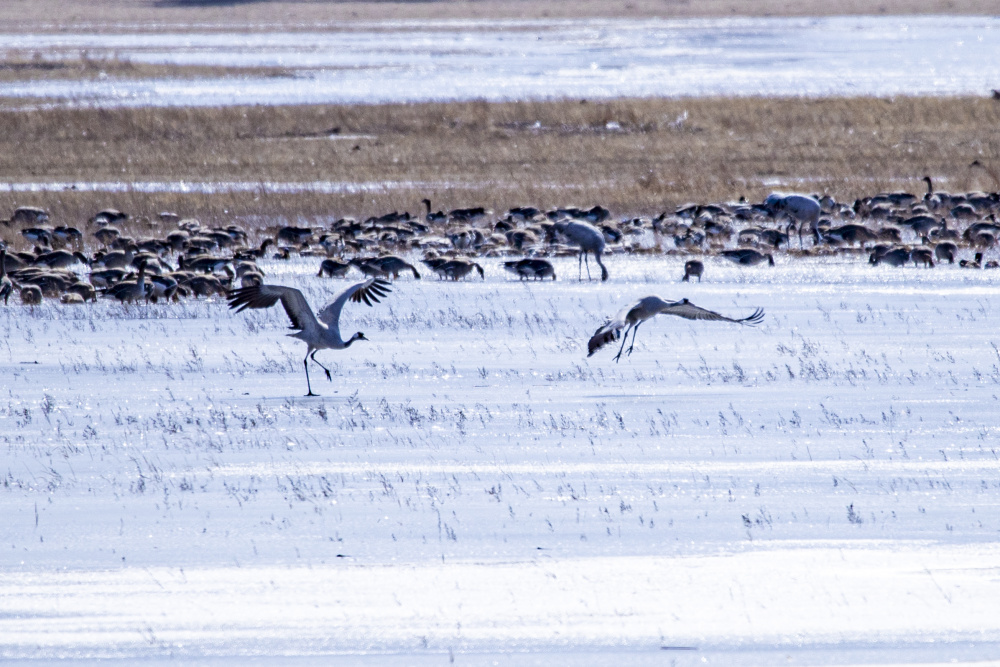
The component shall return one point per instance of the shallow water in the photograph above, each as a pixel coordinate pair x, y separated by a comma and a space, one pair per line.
502, 60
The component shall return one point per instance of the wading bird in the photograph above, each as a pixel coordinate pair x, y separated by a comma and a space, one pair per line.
588, 238
633, 315
319, 331
801, 209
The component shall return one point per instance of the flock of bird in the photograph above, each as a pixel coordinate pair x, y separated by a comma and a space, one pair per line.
190, 260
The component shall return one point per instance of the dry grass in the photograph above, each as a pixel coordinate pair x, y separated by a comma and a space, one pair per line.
54, 15
630, 155
35, 66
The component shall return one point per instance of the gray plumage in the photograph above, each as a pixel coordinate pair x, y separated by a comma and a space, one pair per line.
589, 239
320, 331
633, 315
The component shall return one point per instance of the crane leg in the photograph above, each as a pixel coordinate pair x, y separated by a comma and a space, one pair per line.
635, 330
305, 362
624, 338
586, 261
325, 369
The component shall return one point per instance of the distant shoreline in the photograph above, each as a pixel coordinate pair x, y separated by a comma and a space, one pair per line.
205, 15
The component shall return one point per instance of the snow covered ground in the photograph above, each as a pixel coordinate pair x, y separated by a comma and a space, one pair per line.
503, 60
822, 489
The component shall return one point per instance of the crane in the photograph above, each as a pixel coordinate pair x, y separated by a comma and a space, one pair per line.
800, 209
588, 238
633, 315
319, 331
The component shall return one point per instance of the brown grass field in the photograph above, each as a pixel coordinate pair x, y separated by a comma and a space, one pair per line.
631, 155
34, 66
59, 15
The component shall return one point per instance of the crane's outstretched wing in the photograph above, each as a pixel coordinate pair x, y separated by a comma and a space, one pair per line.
369, 291
689, 311
610, 330
265, 296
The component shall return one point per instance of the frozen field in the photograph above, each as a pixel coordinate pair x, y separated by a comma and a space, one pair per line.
504, 60
823, 489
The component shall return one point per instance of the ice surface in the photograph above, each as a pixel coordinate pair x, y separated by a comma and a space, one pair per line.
502, 60
822, 489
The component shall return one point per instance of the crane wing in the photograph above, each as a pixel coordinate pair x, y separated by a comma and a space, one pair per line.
369, 291
265, 296
689, 311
